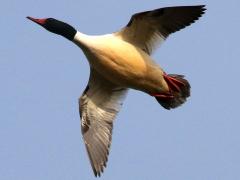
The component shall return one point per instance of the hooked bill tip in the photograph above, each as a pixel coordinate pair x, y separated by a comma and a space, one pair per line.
38, 21
28, 17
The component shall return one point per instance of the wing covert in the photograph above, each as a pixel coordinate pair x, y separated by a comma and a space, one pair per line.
150, 28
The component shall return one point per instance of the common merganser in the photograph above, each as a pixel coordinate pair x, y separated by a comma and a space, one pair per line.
120, 61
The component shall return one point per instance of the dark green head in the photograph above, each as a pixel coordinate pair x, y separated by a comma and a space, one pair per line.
56, 26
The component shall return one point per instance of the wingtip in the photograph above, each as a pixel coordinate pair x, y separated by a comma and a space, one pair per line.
98, 171
203, 7
95, 172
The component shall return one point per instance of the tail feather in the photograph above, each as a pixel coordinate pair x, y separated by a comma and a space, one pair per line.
179, 91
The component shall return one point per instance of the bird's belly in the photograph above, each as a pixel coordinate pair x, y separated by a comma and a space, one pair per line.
123, 66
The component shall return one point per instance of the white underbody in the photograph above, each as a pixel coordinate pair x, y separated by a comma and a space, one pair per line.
122, 63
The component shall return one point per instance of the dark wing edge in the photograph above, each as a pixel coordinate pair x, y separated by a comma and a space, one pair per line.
178, 18
148, 29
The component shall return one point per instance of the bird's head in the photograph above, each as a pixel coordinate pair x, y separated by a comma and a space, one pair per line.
56, 26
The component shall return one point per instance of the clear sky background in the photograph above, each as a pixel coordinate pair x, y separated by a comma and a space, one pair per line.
42, 75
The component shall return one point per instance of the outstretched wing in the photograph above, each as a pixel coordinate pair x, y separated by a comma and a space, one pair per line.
148, 29
98, 106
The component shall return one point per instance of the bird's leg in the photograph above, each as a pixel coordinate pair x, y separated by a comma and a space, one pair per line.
173, 82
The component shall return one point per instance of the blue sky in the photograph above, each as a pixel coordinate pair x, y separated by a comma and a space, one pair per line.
42, 75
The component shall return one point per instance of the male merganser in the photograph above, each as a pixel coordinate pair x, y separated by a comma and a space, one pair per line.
120, 61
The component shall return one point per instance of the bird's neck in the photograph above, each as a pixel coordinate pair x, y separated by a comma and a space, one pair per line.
68, 32
82, 40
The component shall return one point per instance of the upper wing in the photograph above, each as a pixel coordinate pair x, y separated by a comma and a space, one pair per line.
98, 105
150, 28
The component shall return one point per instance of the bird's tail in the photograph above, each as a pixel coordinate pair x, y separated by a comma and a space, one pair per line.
179, 91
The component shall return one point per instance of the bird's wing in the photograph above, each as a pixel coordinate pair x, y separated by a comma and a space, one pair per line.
148, 29
98, 106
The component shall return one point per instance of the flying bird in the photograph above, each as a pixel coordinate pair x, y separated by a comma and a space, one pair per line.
120, 61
